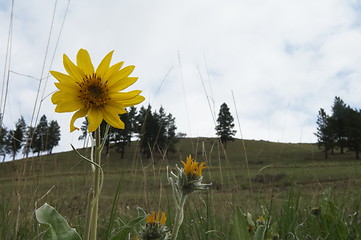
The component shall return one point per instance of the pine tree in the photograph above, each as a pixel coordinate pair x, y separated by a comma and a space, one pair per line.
40, 143
53, 135
171, 138
148, 130
339, 115
225, 125
122, 137
84, 131
15, 138
325, 132
29, 140
3, 134
353, 130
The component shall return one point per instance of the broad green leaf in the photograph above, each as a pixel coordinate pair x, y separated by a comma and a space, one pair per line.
59, 228
260, 233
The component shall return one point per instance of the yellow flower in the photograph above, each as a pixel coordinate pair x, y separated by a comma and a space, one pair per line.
94, 93
192, 167
160, 219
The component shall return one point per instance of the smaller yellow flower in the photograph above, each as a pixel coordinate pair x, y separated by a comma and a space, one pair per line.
160, 218
192, 167
155, 228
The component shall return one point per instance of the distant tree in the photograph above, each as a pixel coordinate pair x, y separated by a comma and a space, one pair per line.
84, 132
40, 137
148, 130
353, 130
180, 135
29, 140
170, 133
53, 135
121, 137
339, 115
15, 138
225, 125
325, 132
157, 131
130, 120
3, 134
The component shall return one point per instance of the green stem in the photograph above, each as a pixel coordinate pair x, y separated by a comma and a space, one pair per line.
97, 187
178, 217
89, 210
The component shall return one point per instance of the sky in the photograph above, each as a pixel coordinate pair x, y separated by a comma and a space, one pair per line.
275, 63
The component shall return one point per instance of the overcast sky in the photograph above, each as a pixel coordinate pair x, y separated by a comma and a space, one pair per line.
283, 60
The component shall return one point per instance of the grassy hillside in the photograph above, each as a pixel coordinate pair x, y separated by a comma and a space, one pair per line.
246, 174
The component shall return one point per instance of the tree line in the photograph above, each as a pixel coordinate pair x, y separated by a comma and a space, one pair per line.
42, 138
340, 130
155, 130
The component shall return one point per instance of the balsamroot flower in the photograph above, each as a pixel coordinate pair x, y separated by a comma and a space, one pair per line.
189, 178
185, 181
94, 93
192, 168
155, 228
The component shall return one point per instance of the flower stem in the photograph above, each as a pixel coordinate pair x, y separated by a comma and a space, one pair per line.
89, 210
97, 188
178, 217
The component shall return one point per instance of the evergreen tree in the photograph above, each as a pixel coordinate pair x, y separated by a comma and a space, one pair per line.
157, 131
53, 135
171, 138
40, 143
15, 138
84, 131
148, 130
225, 125
353, 130
122, 137
339, 114
325, 132
29, 140
3, 134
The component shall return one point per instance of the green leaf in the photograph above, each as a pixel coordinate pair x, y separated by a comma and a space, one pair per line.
260, 233
239, 229
58, 227
124, 231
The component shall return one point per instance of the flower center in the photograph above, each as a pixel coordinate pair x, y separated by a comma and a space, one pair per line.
93, 92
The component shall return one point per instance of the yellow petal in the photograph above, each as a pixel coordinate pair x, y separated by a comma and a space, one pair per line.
134, 101
68, 88
115, 107
84, 62
60, 96
68, 105
122, 84
61, 77
163, 219
113, 119
104, 65
73, 70
81, 113
123, 96
95, 118
56, 97
123, 73
112, 70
